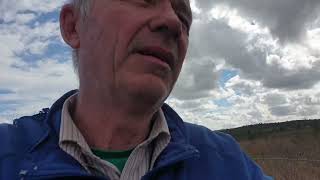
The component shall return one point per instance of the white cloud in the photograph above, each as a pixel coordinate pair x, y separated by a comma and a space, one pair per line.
11, 9
33, 84
286, 19
36, 88
24, 18
272, 45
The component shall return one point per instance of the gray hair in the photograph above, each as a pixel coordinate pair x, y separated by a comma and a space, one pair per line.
83, 7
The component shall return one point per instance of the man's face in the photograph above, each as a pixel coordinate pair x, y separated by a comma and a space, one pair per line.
134, 47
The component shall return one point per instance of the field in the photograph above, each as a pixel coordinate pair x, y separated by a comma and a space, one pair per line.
287, 155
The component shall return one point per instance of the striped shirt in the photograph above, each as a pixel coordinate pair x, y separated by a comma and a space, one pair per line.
140, 161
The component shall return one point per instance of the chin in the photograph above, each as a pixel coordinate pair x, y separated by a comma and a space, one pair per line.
151, 91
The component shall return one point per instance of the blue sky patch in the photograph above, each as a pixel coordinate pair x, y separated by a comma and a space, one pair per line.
222, 103
6, 91
55, 50
44, 18
58, 51
226, 75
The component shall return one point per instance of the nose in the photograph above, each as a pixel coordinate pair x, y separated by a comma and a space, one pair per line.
166, 22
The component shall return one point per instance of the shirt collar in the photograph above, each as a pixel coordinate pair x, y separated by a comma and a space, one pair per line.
69, 132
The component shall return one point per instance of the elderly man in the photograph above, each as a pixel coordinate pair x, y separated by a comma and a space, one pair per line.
128, 55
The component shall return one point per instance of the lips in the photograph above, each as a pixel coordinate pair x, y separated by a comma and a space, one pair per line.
159, 53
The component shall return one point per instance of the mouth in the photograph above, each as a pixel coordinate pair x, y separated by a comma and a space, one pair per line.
159, 53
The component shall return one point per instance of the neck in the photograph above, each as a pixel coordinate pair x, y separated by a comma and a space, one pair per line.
112, 126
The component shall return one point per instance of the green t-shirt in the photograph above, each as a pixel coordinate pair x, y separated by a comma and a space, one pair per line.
117, 158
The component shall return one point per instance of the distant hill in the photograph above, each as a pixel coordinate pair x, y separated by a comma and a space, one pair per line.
286, 151
255, 131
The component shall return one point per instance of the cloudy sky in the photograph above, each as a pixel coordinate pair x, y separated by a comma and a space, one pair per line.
249, 61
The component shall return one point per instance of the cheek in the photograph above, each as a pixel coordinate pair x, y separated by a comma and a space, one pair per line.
96, 35
101, 36
127, 39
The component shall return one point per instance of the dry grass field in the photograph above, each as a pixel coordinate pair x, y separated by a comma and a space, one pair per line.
288, 155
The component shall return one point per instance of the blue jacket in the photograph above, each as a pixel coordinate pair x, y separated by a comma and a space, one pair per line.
30, 150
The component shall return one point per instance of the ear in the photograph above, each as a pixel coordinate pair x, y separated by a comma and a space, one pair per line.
68, 23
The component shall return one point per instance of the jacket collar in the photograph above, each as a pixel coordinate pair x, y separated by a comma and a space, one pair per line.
51, 122
179, 147
54, 116
179, 144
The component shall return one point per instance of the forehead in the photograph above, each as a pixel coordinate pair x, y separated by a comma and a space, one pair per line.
179, 5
